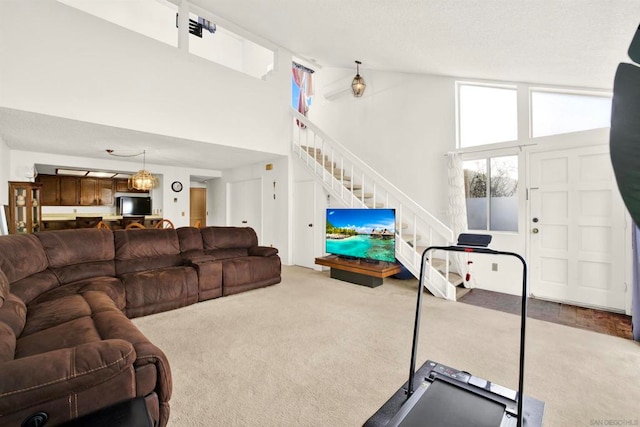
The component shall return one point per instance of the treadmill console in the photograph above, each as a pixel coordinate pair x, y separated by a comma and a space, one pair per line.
440, 369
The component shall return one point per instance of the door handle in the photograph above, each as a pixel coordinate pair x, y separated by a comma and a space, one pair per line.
244, 221
535, 231
310, 225
535, 220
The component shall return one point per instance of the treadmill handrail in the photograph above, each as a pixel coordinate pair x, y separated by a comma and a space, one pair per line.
523, 318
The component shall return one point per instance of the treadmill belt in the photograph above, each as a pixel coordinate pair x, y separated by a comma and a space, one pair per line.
445, 405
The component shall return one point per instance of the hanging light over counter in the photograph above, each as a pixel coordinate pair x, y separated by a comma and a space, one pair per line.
143, 179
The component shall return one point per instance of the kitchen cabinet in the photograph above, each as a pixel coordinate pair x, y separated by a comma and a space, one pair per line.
105, 191
87, 192
50, 192
74, 191
68, 191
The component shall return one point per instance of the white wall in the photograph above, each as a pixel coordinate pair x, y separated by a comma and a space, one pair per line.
216, 202
74, 65
4, 173
402, 126
275, 212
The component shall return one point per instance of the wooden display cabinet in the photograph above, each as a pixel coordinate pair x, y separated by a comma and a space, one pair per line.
25, 212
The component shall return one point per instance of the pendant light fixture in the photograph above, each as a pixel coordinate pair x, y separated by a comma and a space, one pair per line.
358, 84
143, 180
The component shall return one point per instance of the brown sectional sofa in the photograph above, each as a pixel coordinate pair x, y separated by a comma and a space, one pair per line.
67, 346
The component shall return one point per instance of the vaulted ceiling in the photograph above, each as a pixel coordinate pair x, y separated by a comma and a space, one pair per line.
559, 42
575, 43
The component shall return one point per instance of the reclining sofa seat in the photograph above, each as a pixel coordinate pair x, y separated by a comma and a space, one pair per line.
245, 265
149, 263
66, 348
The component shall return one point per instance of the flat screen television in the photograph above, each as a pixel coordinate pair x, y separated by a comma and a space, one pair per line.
368, 234
128, 205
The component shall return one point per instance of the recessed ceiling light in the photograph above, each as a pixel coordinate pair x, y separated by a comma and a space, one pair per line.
72, 172
96, 174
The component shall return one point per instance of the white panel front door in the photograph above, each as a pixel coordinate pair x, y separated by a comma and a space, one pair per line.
577, 229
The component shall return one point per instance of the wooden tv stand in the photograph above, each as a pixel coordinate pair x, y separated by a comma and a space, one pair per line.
359, 271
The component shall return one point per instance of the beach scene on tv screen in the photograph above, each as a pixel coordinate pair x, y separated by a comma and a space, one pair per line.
361, 233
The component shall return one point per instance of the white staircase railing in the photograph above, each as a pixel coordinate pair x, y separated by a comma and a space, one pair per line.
355, 184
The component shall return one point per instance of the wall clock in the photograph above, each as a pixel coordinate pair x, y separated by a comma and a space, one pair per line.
176, 186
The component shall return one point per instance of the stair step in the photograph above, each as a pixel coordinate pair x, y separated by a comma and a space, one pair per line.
409, 238
358, 193
372, 205
353, 187
439, 264
311, 150
461, 291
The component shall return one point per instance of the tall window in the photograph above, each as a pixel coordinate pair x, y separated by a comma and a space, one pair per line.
491, 186
554, 113
301, 87
486, 114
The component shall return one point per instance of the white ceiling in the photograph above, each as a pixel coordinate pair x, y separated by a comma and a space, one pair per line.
47, 134
559, 42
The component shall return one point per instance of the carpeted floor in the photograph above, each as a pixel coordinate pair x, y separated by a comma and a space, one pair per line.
313, 351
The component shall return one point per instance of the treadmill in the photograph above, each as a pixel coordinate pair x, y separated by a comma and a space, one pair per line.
447, 397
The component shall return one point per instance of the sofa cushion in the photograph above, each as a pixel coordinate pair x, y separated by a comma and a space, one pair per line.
222, 254
22, 256
79, 254
159, 290
53, 313
228, 237
35, 285
13, 316
111, 286
190, 239
243, 274
146, 249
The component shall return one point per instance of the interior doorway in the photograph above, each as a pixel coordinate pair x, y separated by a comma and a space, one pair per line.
244, 204
198, 207
304, 246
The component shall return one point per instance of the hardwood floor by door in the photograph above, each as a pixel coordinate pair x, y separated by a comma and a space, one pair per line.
615, 324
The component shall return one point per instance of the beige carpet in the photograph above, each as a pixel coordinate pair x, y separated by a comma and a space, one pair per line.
313, 351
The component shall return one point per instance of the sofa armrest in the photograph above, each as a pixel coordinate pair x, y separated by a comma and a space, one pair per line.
262, 251
31, 380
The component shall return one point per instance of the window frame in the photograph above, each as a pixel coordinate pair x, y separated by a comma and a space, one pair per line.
494, 85
487, 155
561, 91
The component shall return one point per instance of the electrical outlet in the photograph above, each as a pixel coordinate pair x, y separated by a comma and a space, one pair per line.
494, 266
